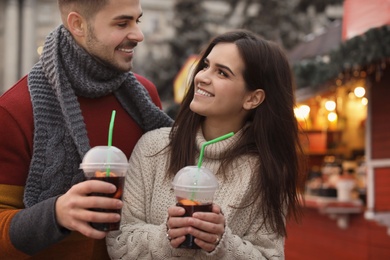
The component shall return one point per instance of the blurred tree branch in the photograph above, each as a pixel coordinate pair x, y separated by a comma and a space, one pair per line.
283, 21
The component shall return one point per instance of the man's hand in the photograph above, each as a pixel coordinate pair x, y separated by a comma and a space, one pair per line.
72, 208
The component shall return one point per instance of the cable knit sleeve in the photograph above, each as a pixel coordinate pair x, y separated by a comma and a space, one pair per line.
245, 236
148, 195
254, 246
138, 238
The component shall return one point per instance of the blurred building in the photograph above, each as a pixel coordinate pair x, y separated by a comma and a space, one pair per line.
23, 28
24, 25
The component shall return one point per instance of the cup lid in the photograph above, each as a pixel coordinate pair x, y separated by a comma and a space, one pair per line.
104, 157
191, 176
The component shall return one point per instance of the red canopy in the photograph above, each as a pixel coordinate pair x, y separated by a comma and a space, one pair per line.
362, 15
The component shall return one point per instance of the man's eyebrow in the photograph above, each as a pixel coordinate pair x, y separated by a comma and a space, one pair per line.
127, 17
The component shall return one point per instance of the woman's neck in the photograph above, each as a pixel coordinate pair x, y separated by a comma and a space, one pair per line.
212, 130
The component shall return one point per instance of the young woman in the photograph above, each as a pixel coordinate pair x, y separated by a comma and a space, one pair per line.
242, 84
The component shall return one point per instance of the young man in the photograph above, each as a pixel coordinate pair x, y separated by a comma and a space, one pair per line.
52, 116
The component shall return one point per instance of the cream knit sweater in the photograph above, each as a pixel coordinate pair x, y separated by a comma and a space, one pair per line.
148, 194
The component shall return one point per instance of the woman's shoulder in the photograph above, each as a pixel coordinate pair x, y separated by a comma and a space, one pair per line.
154, 140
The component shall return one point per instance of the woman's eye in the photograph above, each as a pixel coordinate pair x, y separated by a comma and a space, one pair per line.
222, 73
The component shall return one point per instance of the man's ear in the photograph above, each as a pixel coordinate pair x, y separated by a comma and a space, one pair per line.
254, 99
76, 24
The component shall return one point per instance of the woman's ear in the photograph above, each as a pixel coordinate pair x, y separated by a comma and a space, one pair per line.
76, 24
254, 99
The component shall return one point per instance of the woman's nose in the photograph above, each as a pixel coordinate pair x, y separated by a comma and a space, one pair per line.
203, 77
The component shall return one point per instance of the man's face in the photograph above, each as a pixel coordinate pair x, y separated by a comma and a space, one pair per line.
114, 32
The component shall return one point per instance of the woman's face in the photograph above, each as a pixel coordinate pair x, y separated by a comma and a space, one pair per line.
220, 90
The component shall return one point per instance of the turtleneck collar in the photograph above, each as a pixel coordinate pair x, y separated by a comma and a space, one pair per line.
214, 151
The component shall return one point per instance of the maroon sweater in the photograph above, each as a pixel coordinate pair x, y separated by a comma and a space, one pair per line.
16, 146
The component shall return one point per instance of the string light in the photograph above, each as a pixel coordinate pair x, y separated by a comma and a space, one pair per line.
330, 105
359, 92
302, 112
40, 50
332, 116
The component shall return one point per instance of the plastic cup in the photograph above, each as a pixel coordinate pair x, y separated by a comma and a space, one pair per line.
194, 189
109, 164
344, 189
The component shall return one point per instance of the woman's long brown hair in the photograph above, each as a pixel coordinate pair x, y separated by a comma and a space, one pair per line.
273, 134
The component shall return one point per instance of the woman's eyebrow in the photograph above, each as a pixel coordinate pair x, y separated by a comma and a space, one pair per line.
206, 60
225, 67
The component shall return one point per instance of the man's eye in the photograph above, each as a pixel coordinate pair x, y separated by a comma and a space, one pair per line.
138, 21
122, 24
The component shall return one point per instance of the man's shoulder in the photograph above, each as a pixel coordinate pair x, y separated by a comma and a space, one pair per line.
18, 88
145, 82
151, 88
17, 98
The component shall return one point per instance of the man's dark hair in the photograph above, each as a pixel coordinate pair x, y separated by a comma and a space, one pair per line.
86, 8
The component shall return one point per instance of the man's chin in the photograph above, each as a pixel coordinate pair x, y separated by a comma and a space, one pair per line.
117, 67
123, 69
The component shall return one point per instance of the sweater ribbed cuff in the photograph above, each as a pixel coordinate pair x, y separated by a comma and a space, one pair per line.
34, 229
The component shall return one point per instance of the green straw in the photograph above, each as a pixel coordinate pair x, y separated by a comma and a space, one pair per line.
223, 137
111, 128
110, 140
211, 142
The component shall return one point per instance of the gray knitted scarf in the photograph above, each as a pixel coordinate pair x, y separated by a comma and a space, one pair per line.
64, 72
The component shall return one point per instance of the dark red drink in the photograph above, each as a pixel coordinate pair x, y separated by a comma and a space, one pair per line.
190, 209
119, 183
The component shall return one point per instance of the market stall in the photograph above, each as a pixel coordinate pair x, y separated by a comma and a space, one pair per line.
343, 109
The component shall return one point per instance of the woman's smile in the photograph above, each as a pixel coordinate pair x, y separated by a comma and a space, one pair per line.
202, 92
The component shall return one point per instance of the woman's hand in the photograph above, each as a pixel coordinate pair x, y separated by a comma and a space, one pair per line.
177, 226
206, 227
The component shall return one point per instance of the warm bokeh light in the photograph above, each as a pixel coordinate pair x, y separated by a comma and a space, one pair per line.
332, 116
359, 92
330, 105
364, 101
39, 50
302, 112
